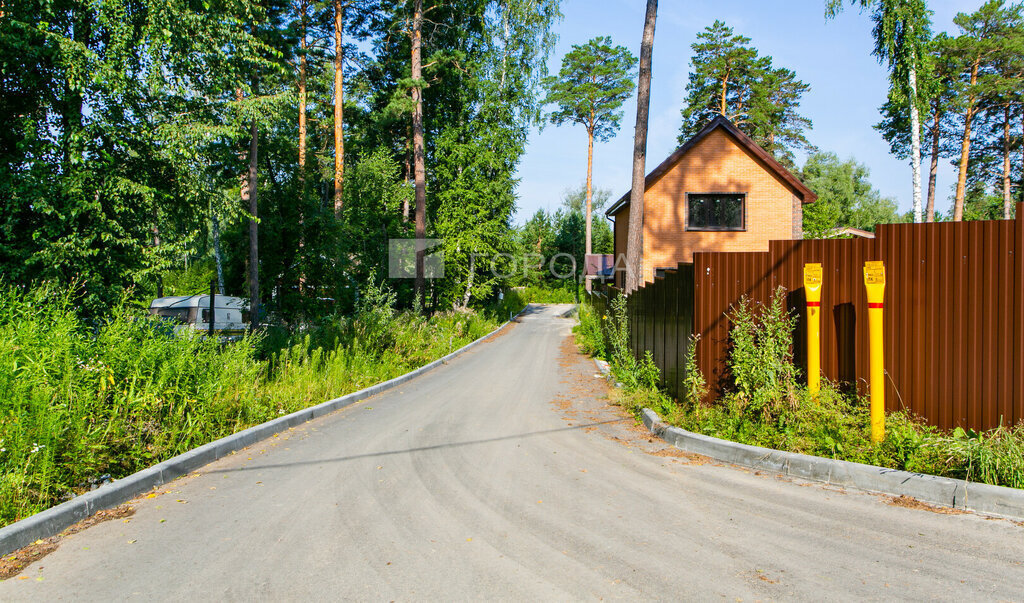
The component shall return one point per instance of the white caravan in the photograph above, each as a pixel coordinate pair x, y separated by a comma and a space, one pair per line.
193, 312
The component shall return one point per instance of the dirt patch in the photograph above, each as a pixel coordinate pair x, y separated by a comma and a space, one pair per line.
909, 502
590, 397
672, 452
13, 563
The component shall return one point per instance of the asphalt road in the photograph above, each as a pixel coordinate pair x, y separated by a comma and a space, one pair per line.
505, 475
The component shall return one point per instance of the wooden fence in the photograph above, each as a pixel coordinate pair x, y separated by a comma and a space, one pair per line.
954, 315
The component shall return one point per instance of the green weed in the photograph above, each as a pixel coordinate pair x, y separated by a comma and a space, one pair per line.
767, 407
81, 403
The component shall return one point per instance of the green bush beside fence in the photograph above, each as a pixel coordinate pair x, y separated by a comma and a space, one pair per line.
769, 406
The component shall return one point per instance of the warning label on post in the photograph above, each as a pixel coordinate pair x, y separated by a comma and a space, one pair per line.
874, 273
812, 275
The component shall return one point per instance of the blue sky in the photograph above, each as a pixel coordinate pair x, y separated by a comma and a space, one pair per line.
847, 87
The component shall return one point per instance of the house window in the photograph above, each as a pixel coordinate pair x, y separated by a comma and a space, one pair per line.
716, 211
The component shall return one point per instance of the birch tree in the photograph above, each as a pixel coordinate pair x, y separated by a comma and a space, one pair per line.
901, 33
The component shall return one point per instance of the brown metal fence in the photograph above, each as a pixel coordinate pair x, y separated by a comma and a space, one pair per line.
954, 315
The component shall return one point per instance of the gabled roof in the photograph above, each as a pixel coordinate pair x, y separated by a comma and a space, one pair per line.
806, 195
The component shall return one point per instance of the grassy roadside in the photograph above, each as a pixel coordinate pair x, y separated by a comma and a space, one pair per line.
768, 406
81, 403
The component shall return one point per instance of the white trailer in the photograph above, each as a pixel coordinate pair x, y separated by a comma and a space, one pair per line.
230, 319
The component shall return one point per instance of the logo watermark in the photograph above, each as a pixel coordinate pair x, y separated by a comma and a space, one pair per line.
561, 266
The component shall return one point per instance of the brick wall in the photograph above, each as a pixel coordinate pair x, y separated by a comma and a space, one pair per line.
717, 164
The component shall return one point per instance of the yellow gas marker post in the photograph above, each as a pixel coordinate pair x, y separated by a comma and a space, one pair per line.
874, 281
812, 290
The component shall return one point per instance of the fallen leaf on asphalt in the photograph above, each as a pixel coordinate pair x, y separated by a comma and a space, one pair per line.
162, 520
132, 541
182, 501
153, 495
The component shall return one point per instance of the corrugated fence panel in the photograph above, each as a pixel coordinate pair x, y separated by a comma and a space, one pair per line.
954, 314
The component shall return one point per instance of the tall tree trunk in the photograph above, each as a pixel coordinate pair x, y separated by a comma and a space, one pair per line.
417, 144
590, 173
217, 257
635, 241
469, 281
722, 106
303, 8
1007, 200
339, 95
408, 171
933, 168
965, 148
915, 145
254, 255
303, 69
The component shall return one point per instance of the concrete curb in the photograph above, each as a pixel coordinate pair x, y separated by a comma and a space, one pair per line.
570, 312
945, 491
53, 520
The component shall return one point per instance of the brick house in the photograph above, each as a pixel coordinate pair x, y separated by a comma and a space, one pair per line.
718, 192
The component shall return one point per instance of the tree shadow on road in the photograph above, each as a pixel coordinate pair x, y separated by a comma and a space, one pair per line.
448, 445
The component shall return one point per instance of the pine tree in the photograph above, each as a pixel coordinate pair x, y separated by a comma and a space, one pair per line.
729, 78
594, 81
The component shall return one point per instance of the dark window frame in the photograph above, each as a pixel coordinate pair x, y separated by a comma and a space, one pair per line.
743, 213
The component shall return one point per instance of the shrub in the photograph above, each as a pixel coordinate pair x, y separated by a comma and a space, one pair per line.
588, 331
694, 385
761, 357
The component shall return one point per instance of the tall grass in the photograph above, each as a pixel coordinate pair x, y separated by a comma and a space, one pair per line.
82, 402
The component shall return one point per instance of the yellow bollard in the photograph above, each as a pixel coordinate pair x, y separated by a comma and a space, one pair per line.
874, 281
812, 290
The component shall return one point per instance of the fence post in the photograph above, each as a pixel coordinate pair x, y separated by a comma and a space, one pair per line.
812, 291
874, 281
213, 306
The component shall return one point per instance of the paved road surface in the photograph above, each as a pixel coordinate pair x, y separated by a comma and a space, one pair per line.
504, 475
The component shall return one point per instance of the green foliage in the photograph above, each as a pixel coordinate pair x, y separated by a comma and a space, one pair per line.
634, 374
993, 457
589, 331
553, 246
112, 128
594, 81
695, 387
557, 292
845, 197
195, 278
727, 77
761, 357
83, 401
